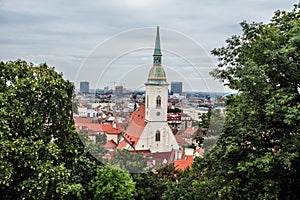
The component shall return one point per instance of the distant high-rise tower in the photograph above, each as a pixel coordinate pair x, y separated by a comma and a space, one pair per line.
118, 90
84, 87
176, 87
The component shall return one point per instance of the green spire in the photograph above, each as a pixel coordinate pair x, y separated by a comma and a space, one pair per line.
157, 53
157, 74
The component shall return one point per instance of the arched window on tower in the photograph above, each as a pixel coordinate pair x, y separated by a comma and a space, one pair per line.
158, 101
157, 136
147, 101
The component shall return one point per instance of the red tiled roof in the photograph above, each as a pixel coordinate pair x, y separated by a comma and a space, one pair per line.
181, 141
83, 120
136, 126
138, 116
159, 157
123, 125
110, 129
110, 144
90, 126
190, 131
89, 122
200, 151
176, 116
83, 102
122, 144
185, 162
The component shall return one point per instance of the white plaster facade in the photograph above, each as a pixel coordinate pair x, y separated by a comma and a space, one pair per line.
148, 139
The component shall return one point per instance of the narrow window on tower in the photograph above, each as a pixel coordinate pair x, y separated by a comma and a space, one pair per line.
147, 100
157, 136
158, 101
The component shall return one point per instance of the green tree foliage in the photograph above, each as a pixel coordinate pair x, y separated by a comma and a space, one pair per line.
208, 143
203, 126
181, 186
220, 101
257, 155
153, 185
95, 149
216, 123
133, 162
148, 185
112, 183
205, 122
210, 125
175, 110
38, 142
85, 168
101, 138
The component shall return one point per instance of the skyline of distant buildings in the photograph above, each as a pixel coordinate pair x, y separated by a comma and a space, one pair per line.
84, 87
175, 88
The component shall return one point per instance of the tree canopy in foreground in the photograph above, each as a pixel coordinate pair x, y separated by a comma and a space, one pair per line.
257, 154
39, 146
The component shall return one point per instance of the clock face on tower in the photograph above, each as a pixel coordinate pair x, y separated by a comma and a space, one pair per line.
158, 114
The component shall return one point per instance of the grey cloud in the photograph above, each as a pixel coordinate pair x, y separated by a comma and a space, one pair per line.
64, 33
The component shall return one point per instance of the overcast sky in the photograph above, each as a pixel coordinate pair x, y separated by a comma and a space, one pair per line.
111, 42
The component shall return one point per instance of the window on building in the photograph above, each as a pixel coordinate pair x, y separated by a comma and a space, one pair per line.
157, 136
158, 101
147, 100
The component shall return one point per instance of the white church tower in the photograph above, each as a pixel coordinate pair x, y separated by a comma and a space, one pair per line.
157, 135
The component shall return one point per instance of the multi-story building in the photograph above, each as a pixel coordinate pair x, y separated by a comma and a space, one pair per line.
176, 87
118, 90
179, 121
84, 87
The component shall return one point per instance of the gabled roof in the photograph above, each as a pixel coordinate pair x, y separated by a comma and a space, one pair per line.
122, 144
181, 141
185, 162
83, 102
110, 129
188, 158
135, 128
86, 120
110, 144
160, 157
190, 131
90, 126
